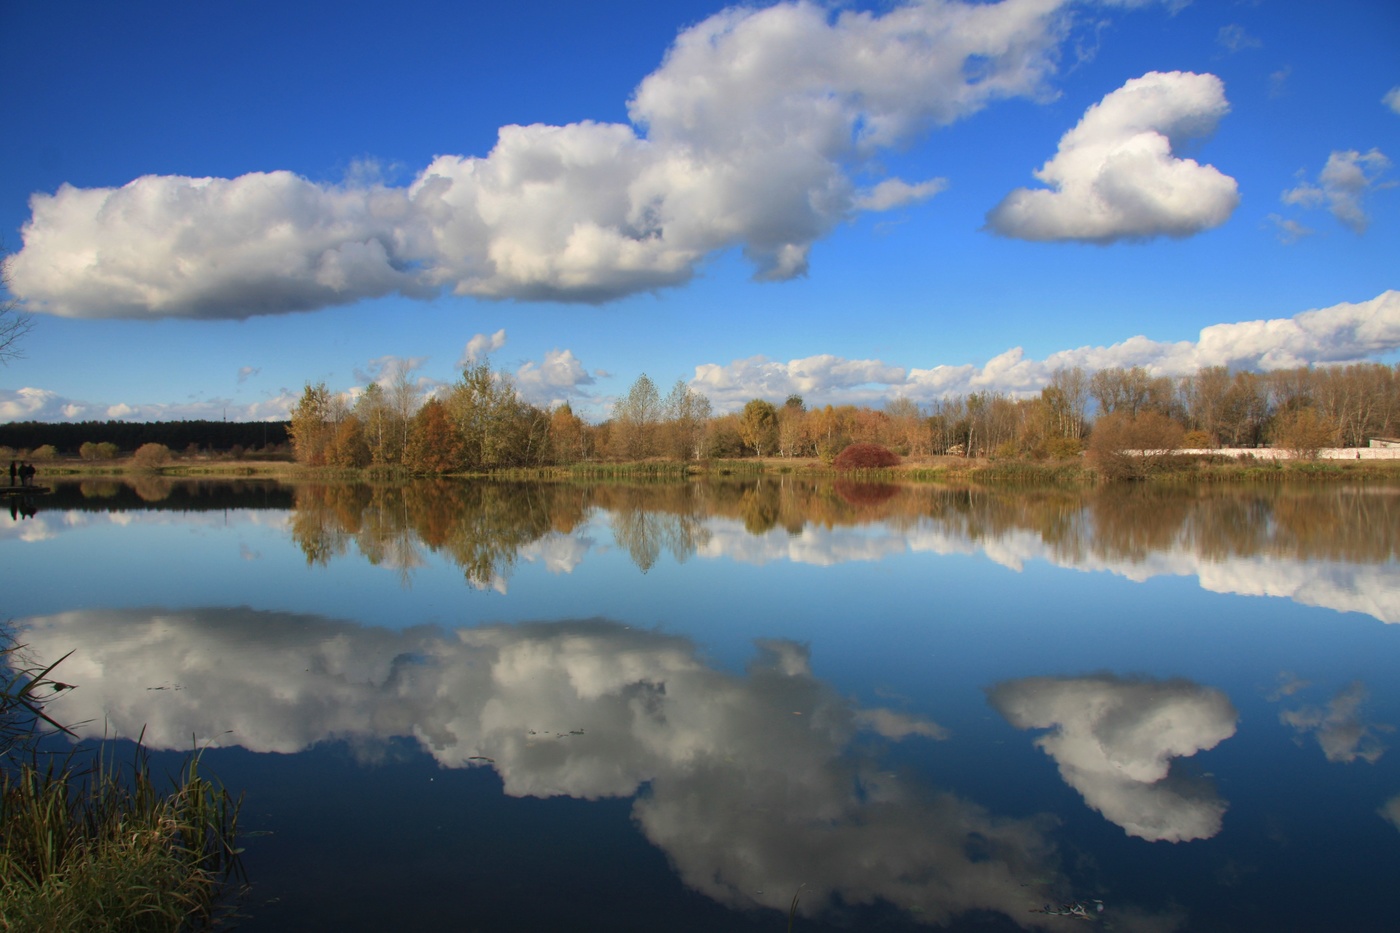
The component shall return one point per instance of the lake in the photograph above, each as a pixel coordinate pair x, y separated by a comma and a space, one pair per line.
681, 706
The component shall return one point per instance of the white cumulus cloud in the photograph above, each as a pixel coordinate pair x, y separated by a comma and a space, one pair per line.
748, 135
1342, 333
555, 379
1392, 99
482, 346
1117, 175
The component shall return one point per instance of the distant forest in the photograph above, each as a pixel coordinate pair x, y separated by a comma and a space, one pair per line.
67, 437
483, 423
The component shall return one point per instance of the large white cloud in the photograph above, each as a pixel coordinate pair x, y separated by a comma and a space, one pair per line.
1114, 741
162, 246
1117, 174
750, 134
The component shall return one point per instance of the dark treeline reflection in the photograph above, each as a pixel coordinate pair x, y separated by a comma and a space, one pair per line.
482, 526
165, 493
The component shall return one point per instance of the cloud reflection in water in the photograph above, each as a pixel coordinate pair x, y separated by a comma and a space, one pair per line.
753, 784
1114, 741
1338, 728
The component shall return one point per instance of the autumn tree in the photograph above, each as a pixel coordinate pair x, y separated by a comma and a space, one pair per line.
1304, 432
758, 426
949, 425
828, 429
1124, 446
1205, 394
105, 450
313, 425
722, 437
567, 435
1361, 399
403, 396
1067, 398
1245, 412
434, 444
379, 421
151, 457
496, 426
795, 429
348, 447
635, 417
906, 427
993, 420
686, 413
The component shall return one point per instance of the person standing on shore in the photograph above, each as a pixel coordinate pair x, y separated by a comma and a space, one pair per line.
14, 472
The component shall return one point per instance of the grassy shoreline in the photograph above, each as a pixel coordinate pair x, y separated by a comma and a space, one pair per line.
87, 844
925, 469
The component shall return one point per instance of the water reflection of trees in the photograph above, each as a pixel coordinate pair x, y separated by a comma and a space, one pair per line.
480, 527
1359, 525
483, 526
650, 518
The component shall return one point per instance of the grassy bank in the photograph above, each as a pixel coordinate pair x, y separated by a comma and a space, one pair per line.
87, 844
924, 469
102, 847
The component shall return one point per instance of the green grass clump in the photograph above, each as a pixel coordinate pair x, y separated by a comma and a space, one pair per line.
104, 848
87, 846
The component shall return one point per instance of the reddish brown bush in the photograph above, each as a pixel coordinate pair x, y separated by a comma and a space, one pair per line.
865, 457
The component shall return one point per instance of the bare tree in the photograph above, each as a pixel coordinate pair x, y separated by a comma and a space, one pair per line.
14, 322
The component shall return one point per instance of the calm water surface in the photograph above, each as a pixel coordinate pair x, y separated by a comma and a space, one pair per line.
462, 706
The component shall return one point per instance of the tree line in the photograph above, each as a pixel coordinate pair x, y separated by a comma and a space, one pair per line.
126, 436
482, 423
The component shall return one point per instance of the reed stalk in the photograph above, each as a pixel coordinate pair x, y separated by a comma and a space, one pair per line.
87, 844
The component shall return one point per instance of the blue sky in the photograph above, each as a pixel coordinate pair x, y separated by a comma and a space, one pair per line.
209, 205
